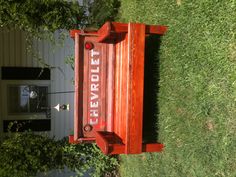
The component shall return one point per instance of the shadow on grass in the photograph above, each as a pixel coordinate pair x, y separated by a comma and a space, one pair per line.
151, 89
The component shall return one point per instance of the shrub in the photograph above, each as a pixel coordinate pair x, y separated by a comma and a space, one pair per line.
25, 154
38, 18
101, 11
88, 158
34, 16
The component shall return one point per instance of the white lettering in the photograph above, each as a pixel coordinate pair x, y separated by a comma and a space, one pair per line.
91, 122
94, 87
94, 96
94, 78
94, 104
94, 53
93, 113
95, 61
95, 70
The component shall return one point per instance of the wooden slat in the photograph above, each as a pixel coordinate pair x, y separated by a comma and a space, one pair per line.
152, 147
121, 87
78, 109
103, 77
149, 29
136, 47
156, 29
76, 95
110, 87
86, 88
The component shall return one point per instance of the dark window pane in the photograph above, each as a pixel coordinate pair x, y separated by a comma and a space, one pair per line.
40, 103
18, 99
27, 99
25, 73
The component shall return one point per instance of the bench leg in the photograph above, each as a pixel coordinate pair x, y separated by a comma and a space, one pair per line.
152, 147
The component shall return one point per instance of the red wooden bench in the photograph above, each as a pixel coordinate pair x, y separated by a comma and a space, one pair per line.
118, 49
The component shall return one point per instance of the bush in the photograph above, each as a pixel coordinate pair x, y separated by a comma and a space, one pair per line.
101, 11
88, 158
34, 16
25, 154
38, 18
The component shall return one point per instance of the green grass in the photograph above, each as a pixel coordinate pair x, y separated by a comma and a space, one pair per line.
197, 88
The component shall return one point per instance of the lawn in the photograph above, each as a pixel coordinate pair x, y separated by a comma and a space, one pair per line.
195, 98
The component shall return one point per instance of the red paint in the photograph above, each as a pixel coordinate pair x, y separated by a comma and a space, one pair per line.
109, 82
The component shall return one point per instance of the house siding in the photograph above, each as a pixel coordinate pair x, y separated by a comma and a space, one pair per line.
13, 53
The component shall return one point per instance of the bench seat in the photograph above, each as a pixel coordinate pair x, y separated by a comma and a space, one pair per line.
129, 41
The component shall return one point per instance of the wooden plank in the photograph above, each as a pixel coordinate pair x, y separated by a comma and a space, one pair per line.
149, 29
94, 83
152, 147
110, 87
78, 96
125, 87
156, 29
86, 88
136, 47
103, 77
121, 87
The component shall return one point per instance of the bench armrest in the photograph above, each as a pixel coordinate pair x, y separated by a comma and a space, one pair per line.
102, 142
109, 143
109, 30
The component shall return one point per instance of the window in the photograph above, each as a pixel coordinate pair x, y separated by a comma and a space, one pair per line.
27, 99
